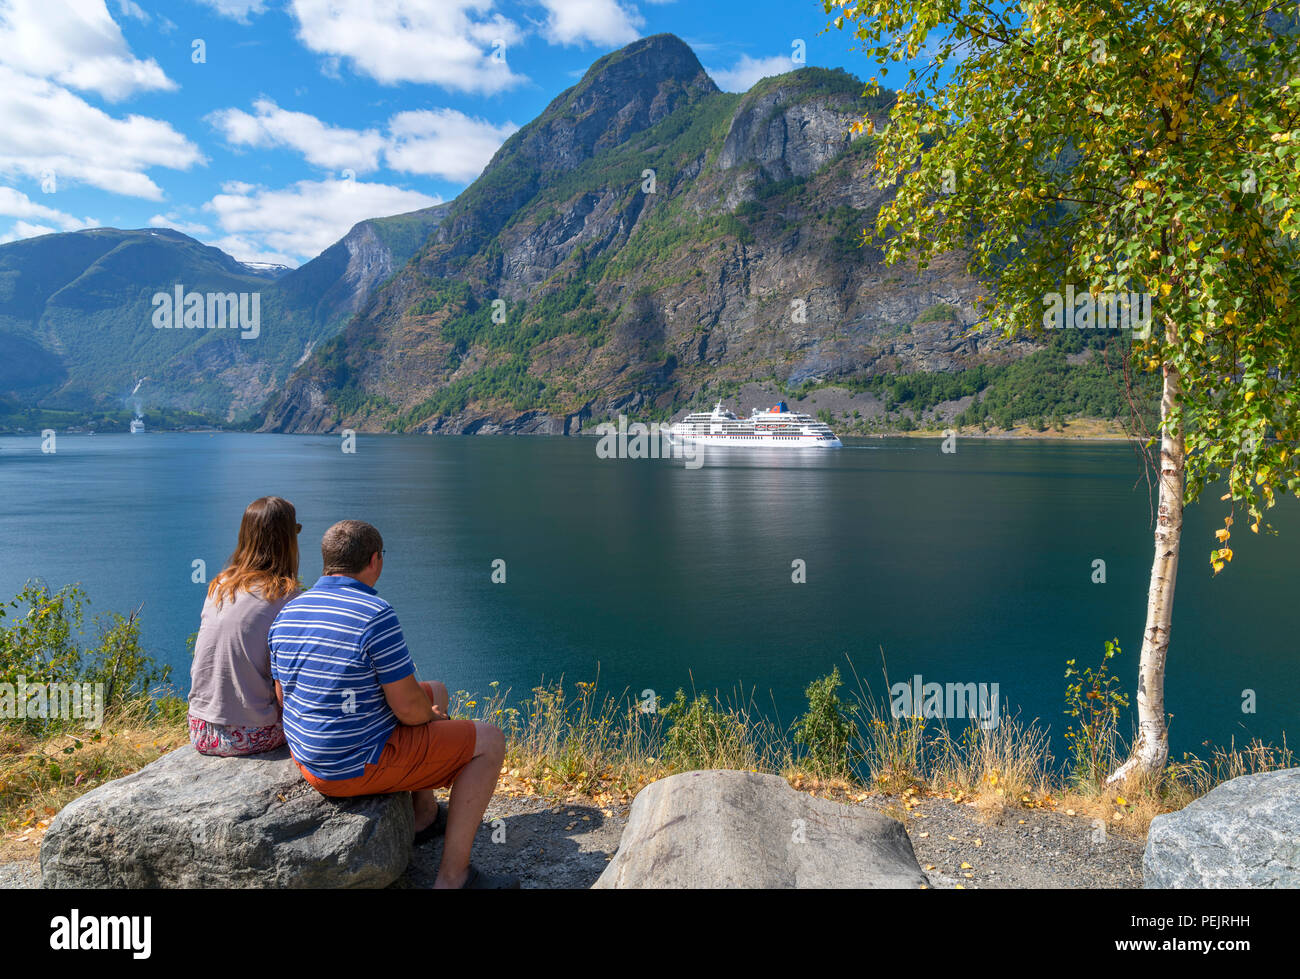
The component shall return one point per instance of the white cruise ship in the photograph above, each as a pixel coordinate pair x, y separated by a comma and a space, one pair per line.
137, 426
777, 427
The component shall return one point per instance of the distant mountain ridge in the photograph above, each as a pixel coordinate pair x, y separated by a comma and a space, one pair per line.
76, 311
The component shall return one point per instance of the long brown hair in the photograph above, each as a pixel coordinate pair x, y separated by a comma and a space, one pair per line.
266, 555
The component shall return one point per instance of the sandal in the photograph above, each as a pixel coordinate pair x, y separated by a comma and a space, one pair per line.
434, 829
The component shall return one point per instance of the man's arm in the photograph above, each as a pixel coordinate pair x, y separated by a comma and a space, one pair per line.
279, 696
412, 704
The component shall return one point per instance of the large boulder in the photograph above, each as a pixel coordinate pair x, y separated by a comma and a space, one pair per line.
737, 829
1243, 833
191, 820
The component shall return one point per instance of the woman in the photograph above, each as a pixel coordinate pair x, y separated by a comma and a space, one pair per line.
233, 707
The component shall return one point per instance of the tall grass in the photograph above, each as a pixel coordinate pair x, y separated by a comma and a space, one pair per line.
580, 741
575, 740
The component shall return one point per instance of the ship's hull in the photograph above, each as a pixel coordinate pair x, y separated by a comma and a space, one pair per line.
756, 441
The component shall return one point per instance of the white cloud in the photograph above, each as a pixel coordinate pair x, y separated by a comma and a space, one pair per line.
304, 219
49, 129
741, 76
239, 10
128, 8
450, 43
597, 21
431, 142
23, 229
244, 249
193, 229
443, 143
16, 204
76, 43
322, 145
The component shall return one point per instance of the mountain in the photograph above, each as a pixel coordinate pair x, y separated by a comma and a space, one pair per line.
644, 243
77, 329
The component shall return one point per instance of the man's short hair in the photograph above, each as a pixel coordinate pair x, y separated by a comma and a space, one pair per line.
347, 546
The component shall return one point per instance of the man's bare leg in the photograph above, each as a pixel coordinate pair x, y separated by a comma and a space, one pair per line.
470, 794
426, 803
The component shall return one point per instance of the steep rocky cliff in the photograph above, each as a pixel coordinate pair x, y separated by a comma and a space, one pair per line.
644, 243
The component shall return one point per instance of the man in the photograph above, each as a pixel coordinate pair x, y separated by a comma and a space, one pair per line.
359, 723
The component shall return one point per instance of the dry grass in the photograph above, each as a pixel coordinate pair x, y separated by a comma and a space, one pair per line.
39, 776
598, 746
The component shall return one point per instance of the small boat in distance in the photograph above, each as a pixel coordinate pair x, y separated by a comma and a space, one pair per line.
776, 428
137, 426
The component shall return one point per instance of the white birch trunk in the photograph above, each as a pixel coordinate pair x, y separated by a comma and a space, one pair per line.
1152, 748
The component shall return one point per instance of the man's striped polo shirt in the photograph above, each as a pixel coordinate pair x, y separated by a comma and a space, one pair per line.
331, 648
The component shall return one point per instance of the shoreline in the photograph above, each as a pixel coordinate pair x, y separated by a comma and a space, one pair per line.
929, 434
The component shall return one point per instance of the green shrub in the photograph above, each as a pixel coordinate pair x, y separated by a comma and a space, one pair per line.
40, 641
1094, 703
703, 734
827, 728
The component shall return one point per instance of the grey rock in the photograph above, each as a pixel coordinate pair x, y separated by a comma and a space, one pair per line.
190, 820
1243, 833
742, 830
785, 136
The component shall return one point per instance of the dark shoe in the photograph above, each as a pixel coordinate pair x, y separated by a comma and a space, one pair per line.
479, 881
434, 829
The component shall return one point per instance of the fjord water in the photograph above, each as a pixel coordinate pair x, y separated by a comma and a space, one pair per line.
973, 567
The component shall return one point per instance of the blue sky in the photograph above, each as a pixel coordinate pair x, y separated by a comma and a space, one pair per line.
269, 127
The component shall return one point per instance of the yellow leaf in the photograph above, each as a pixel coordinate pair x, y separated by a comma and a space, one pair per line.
965, 866
1120, 800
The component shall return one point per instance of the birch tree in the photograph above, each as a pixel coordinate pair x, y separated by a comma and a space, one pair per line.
1146, 148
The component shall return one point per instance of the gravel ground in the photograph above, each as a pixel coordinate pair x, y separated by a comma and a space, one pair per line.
542, 843
24, 873
567, 845
1021, 848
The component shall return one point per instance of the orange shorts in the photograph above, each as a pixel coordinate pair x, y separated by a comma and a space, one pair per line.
424, 756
